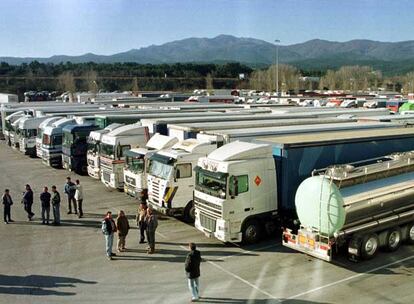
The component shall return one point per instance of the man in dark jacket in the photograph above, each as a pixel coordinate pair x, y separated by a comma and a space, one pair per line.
192, 269
45, 202
28, 202
7, 203
55, 199
70, 190
108, 229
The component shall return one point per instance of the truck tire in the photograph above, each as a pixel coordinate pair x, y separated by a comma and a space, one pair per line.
251, 233
410, 233
189, 212
393, 239
369, 246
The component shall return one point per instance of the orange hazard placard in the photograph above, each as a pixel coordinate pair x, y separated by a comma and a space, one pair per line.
257, 180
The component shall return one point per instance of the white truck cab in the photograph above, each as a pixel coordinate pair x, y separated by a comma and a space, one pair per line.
170, 177
47, 122
234, 185
27, 133
94, 145
137, 161
14, 132
112, 154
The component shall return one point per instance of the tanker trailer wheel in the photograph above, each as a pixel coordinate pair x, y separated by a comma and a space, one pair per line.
369, 246
251, 232
410, 233
393, 239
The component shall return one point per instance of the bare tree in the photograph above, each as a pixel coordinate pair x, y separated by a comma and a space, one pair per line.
66, 82
209, 82
135, 86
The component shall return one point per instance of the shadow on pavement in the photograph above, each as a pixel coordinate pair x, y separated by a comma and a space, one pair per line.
255, 301
37, 284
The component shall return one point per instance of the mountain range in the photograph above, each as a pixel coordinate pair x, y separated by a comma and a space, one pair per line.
313, 54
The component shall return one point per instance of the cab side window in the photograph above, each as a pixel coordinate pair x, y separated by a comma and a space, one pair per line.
184, 171
242, 184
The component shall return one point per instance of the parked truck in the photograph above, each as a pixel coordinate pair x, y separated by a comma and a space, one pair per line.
137, 164
39, 137
364, 206
170, 177
52, 142
74, 147
26, 134
113, 147
243, 189
94, 149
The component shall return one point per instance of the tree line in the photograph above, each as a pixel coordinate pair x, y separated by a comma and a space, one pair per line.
188, 76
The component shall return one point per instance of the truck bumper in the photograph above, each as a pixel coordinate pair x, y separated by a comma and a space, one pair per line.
94, 172
310, 247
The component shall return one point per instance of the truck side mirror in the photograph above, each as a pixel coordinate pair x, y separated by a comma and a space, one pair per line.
177, 174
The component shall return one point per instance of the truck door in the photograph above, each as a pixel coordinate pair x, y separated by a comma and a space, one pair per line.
240, 190
183, 186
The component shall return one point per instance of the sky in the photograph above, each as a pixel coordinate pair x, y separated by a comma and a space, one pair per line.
42, 28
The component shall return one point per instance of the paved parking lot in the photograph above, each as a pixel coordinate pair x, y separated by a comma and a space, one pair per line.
47, 264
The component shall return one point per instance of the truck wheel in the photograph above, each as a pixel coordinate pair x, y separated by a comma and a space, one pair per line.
393, 239
369, 246
410, 233
189, 212
251, 232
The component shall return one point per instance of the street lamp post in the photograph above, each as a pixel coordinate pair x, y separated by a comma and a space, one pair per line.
277, 41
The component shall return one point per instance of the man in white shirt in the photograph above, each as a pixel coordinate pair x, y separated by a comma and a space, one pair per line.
79, 197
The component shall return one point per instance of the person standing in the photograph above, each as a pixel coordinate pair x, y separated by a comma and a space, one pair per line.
108, 229
122, 226
45, 204
7, 203
151, 222
192, 269
28, 202
140, 218
79, 197
70, 190
55, 205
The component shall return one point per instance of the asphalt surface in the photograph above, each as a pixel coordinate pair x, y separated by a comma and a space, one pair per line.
47, 264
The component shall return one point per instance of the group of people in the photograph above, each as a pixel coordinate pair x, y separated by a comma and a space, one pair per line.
147, 223
146, 220
48, 200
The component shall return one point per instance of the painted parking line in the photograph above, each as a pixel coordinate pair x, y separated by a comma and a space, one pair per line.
350, 278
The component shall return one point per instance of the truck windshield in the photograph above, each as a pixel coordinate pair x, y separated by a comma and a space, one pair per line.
212, 183
67, 139
108, 150
160, 169
29, 133
135, 164
93, 145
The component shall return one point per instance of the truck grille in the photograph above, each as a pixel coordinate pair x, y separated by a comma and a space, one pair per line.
106, 176
208, 208
207, 222
156, 196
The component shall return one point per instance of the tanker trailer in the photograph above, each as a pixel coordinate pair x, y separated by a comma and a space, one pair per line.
364, 206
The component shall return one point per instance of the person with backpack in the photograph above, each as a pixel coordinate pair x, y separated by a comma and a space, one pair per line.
7, 203
192, 269
55, 199
70, 190
28, 202
45, 197
108, 229
151, 223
